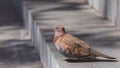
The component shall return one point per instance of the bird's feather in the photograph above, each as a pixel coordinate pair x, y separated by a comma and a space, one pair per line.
72, 46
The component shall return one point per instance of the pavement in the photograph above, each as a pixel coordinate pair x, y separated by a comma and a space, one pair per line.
82, 21
16, 49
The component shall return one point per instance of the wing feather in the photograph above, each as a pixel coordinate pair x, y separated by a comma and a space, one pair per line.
74, 41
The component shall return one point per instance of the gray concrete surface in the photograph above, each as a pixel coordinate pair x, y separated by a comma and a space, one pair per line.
109, 8
80, 20
16, 50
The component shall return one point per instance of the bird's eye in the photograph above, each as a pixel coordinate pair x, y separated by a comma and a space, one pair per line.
57, 28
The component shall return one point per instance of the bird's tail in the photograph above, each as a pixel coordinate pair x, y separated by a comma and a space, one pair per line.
98, 54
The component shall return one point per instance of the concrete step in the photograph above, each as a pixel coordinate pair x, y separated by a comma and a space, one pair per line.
80, 20
15, 52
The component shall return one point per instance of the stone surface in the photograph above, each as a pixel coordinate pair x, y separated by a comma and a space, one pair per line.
80, 20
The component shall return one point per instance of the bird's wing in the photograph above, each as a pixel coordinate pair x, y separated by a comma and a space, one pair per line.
73, 41
74, 45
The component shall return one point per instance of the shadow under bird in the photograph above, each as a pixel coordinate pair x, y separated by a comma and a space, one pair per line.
74, 48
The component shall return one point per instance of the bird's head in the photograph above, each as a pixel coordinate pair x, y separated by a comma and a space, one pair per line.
59, 29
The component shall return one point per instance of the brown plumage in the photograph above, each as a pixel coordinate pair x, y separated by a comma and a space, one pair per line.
72, 47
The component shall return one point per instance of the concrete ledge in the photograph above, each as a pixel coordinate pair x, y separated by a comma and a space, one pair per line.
46, 55
46, 50
41, 17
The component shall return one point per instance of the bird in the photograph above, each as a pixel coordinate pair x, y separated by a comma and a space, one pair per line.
74, 48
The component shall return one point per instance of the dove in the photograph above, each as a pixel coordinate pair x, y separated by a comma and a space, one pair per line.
74, 48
